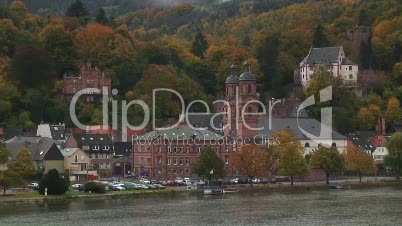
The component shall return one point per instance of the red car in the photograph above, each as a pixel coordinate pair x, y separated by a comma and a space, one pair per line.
170, 183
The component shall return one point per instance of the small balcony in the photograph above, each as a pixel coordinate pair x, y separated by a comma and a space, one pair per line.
83, 172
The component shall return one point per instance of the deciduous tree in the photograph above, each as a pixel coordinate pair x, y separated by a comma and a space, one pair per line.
291, 155
393, 112
356, 159
394, 147
251, 161
54, 183
9, 178
327, 159
209, 165
23, 164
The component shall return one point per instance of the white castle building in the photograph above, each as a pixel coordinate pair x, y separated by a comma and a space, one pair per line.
335, 60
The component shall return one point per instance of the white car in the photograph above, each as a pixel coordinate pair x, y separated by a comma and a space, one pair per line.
145, 181
76, 186
118, 188
178, 180
33, 185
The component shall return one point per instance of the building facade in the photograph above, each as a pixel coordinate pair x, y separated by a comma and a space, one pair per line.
89, 77
76, 164
335, 62
173, 152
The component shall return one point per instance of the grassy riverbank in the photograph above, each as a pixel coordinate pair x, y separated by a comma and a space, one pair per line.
35, 197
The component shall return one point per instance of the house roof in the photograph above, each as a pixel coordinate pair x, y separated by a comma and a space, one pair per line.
56, 132
67, 152
362, 139
346, 61
38, 146
122, 148
204, 120
123, 159
324, 55
309, 125
181, 132
93, 139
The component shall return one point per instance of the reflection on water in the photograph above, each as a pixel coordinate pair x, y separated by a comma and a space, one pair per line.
379, 206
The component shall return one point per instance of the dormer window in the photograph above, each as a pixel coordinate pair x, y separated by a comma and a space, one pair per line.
95, 147
105, 148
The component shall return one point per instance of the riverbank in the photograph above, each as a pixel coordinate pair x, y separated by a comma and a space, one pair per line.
35, 197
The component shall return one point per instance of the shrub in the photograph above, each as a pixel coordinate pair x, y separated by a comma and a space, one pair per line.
54, 183
94, 187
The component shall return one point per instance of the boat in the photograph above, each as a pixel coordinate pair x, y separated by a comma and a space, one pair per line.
211, 190
342, 185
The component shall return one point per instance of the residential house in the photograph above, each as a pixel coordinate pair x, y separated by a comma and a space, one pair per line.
335, 61
56, 132
99, 147
45, 151
76, 164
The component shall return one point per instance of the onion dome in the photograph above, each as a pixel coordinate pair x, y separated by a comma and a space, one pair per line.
247, 75
232, 79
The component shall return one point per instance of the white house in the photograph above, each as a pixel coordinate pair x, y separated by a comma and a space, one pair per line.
55, 132
335, 60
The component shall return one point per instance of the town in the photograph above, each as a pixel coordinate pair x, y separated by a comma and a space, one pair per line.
228, 98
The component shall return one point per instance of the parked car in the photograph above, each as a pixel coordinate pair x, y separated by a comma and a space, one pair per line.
117, 187
234, 180
34, 186
256, 181
131, 176
131, 186
142, 186
179, 180
154, 181
158, 186
170, 183
145, 181
150, 186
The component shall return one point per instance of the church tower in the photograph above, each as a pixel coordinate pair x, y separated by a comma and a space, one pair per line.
240, 94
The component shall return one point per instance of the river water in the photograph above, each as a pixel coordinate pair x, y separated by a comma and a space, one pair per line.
374, 206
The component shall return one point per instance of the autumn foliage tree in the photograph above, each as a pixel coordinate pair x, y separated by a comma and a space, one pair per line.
357, 160
251, 161
23, 164
291, 155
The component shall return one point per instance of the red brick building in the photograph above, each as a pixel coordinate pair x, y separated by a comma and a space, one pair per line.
171, 153
89, 77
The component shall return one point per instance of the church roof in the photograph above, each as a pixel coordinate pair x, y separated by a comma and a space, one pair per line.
232, 79
247, 75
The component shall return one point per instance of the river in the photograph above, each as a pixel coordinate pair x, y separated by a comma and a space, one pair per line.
370, 206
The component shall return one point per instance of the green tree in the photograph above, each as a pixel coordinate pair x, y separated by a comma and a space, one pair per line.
394, 147
32, 67
209, 165
356, 159
366, 119
23, 165
78, 10
101, 17
327, 159
8, 35
54, 183
320, 38
397, 72
291, 159
59, 43
4, 154
9, 178
200, 45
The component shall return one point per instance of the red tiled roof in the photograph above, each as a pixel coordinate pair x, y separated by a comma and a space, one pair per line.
378, 141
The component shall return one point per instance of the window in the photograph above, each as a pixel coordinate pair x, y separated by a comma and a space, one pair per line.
159, 160
76, 158
105, 148
174, 161
227, 159
307, 145
217, 150
226, 148
181, 149
187, 171
249, 89
333, 145
169, 161
181, 161
135, 159
199, 149
95, 147
350, 76
168, 149
142, 148
187, 149
187, 161
350, 68
159, 149
175, 149
96, 156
